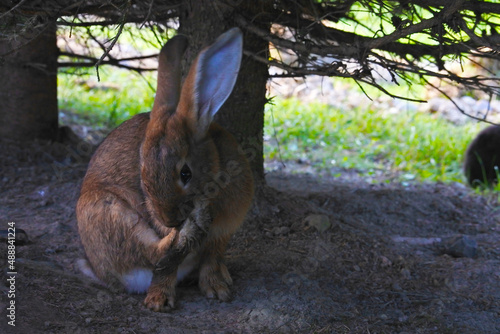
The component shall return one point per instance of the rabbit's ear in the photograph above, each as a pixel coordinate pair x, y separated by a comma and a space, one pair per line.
169, 77
211, 79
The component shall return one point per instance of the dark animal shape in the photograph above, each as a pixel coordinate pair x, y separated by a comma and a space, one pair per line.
482, 159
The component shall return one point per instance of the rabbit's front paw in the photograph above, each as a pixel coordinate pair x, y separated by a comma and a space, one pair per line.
194, 230
215, 281
160, 299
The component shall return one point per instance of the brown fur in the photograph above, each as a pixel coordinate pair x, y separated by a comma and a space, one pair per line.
134, 211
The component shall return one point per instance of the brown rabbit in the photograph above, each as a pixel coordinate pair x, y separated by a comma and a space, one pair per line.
165, 190
482, 159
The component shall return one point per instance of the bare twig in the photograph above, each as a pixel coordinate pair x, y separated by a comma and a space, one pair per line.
319, 35
74, 55
13, 9
425, 24
481, 119
114, 40
107, 62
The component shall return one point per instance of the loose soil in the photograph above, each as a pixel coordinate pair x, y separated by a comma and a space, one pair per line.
315, 255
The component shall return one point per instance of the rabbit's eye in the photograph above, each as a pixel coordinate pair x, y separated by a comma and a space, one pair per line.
185, 174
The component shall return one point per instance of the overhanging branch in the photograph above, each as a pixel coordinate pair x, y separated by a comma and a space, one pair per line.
318, 35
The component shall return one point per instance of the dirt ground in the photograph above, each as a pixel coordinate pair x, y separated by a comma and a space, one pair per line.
316, 255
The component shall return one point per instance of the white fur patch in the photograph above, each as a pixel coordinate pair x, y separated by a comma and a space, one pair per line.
137, 280
84, 266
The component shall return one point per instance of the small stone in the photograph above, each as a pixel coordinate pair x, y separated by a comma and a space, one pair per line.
88, 320
468, 100
319, 222
403, 318
283, 230
482, 107
385, 262
461, 246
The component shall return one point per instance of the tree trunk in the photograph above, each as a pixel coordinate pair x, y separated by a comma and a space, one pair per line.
28, 77
243, 113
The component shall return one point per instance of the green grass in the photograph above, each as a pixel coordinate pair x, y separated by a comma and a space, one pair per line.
131, 93
405, 146
413, 145
120, 95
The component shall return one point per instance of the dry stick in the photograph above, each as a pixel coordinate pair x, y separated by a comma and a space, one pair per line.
114, 62
474, 81
13, 8
74, 55
298, 72
78, 5
105, 62
62, 22
476, 39
347, 41
425, 24
150, 9
396, 66
95, 39
105, 54
363, 90
114, 40
346, 51
322, 51
457, 106
484, 7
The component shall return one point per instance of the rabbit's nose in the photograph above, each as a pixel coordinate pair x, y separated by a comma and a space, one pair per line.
167, 217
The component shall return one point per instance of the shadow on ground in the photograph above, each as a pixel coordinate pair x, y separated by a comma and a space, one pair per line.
315, 255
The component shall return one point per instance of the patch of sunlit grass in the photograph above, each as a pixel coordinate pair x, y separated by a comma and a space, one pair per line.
413, 145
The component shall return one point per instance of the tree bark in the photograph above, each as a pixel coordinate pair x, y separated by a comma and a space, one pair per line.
243, 113
28, 77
